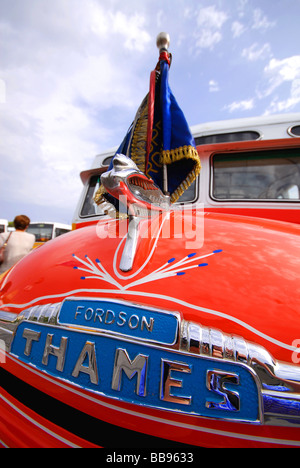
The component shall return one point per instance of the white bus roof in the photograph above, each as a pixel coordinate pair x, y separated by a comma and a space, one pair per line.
260, 124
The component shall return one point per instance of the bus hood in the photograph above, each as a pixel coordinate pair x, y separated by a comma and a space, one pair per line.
234, 274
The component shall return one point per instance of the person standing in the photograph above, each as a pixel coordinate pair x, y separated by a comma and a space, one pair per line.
19, 244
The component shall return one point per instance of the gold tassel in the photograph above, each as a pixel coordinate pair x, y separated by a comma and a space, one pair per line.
98, 198
139, 138
184, 152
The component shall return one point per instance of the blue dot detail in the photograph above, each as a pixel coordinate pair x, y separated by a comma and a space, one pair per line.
97, 260
83, 278
75, 268
192, 255
171, 260
218, 251
203, 264
180, 273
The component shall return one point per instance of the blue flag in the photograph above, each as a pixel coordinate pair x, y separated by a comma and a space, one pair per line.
159, 140
172, 143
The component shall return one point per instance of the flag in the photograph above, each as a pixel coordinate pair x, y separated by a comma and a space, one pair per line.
172, 143
159, 140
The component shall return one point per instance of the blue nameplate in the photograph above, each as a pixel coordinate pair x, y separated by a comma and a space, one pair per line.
122, 318
142, 374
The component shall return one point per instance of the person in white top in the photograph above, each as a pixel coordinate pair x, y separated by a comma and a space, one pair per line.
20, 243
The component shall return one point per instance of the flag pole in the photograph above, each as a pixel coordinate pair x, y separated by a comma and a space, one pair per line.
163, 43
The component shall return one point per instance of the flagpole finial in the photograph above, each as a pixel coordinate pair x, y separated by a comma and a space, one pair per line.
163, 41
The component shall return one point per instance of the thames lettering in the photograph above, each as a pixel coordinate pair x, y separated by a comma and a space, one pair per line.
118, 365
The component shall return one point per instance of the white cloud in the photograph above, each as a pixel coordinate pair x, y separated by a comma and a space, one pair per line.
278, 73
237, 29
213, 86
257, 52
208, 39
260, 20
240, 105
131, 28
211, 18
257, 22
209, 23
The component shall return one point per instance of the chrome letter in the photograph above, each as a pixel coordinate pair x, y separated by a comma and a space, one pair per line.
91, 369
167, 382
59, 353
216, 381
30, 336
137, 366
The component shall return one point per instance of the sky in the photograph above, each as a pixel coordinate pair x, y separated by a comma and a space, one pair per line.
73, 73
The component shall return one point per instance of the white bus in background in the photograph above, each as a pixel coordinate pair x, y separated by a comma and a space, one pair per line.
3, 225
45, 231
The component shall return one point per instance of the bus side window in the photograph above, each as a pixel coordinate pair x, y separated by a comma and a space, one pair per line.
60, 232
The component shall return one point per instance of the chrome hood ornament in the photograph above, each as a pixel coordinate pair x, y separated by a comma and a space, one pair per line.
139, 194
133, 188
